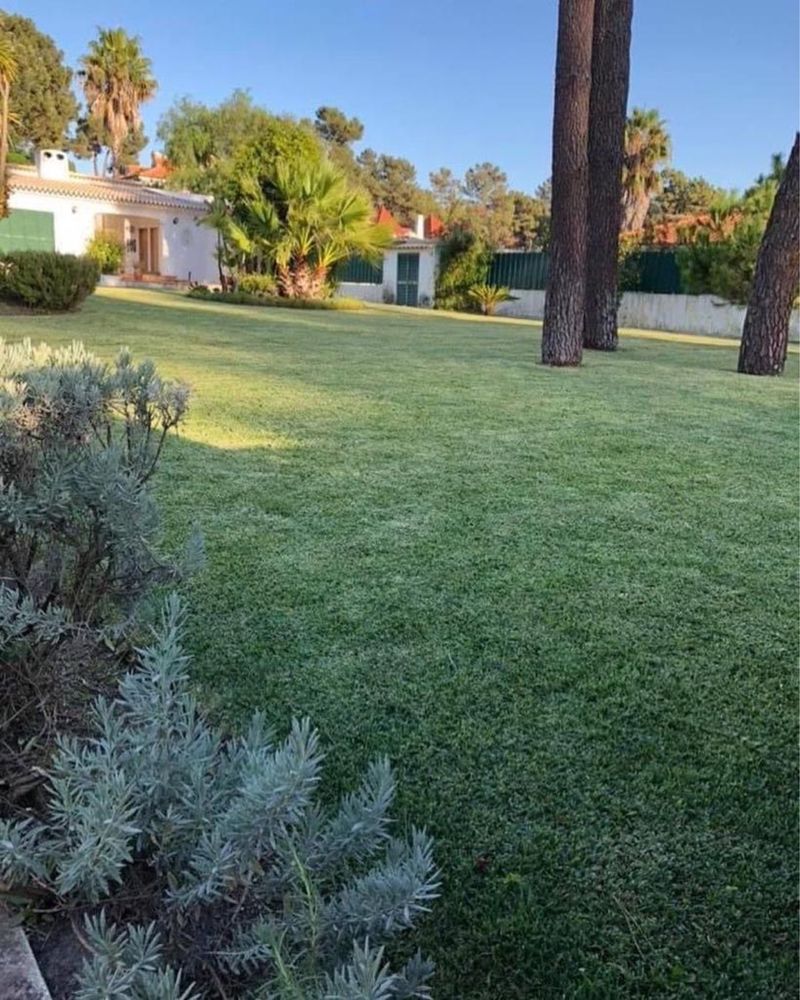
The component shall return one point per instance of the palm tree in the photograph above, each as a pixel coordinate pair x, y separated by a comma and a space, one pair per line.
117, 78
302, 222
647, 146
8, 73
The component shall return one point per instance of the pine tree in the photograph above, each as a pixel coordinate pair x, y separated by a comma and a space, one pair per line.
609, 98
562, 335
765, 335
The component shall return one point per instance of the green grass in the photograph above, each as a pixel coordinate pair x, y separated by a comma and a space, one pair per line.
563, 602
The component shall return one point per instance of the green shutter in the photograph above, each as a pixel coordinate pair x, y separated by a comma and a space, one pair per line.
27, 230
407, 279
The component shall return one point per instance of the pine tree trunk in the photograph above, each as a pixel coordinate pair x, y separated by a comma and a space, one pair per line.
765, 335
5, 93
562, 335
607, 107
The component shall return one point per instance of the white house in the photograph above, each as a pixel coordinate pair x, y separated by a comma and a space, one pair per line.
53, 208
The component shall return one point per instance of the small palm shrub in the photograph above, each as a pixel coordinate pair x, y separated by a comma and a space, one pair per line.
107, 252
50, 282
80, 441
246, 872
486, 298
257, 284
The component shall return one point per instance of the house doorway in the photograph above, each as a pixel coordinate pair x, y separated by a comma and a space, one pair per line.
407, 279
148, 240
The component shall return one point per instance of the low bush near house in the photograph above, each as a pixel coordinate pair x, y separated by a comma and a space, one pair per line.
107, 252
50, 282
263, 285
488, 297
464, 262
242, 874
241, 298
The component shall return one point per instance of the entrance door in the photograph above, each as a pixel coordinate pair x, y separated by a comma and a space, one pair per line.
408, 279
148, 239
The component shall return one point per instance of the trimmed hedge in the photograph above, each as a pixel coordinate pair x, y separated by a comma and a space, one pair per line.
46, 281
238, 298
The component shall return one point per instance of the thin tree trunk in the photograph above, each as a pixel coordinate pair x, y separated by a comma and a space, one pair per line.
5, 93
765, 335
562, 335
609, 100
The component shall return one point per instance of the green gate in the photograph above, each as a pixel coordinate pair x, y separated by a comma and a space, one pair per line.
26, 230
408, 279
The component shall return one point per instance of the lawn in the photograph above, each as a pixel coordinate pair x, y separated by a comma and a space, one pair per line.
563, 602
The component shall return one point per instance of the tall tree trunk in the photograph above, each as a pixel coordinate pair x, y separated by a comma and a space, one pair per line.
5, 93
765, 335
562, 335
611, 47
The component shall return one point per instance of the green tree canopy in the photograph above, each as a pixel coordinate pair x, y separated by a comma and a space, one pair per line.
682, 195
335, 127
41, 98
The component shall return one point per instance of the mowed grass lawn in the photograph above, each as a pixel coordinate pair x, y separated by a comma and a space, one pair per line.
563, 602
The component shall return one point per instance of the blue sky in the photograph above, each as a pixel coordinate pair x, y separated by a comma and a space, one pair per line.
455, 82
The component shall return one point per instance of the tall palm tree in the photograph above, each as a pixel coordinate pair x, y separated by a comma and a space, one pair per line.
647, 146
302, 222
117, 79
8, 73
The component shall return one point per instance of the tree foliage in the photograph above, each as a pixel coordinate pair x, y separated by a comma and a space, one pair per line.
464, 262
300, 221
682, 195
248, 873
647, 147
334, 127
41, 96
117, 79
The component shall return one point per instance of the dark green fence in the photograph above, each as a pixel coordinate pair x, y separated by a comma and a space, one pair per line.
360, 272
657, 271
519, 270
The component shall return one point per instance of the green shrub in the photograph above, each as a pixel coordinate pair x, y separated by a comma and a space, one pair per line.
80, 441
239, 298
244, 870
464, 262
51, 282
488, 297
107, 252
722, 267
263, 285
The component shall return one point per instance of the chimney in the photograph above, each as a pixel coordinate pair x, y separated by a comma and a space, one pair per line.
52, 164
419, 227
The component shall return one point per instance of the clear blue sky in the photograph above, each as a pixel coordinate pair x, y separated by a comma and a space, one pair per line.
454, 82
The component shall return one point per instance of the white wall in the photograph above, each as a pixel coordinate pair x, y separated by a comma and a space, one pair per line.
358, 290
699, 314
186, 246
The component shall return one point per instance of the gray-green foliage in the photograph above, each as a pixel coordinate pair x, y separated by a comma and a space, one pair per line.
79, 442
251, 873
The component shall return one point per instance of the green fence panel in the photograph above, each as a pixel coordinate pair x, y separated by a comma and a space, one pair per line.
657, 271
360, 272
26, 230
523, 270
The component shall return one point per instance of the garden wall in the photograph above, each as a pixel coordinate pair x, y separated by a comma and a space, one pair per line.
698, 314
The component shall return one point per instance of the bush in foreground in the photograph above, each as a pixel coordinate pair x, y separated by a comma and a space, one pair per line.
244, 871
241, 298
50, 282
80, 441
